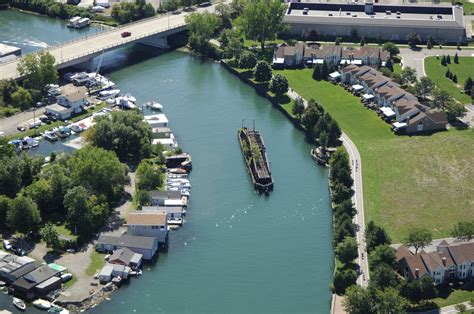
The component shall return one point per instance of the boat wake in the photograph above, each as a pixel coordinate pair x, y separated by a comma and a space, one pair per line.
26, 42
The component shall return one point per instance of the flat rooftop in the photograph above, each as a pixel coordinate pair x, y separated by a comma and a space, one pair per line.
382, 14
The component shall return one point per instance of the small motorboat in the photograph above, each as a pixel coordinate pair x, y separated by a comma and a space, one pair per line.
31, 142
154, 105
76, 128
106, 94
58, 310
50, 136
19, 304
42, 304
175, 221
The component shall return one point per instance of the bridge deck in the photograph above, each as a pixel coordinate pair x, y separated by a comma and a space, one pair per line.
67, 53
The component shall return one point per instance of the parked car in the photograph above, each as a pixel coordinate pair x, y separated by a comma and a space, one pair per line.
126, 34
19, 251
21, 128
7, 245
66, 277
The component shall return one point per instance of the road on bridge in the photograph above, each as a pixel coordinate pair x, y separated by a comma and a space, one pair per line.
95, 44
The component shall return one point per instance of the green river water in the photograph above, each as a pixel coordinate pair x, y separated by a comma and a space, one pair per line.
238, 252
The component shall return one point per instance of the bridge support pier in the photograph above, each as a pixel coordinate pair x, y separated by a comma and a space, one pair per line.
156, 41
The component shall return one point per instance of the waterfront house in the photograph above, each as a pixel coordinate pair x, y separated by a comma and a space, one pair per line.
157, 120
449, 262
148, 224
126, 257
73, 97
158, 198
24, 287
172, 212
288, 56
147, 246
14, 267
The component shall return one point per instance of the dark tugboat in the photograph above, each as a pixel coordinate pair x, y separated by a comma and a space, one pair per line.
254, 152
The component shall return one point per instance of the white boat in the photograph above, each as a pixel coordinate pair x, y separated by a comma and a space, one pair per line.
76, 128
154, 105
31, 141
19, 304
126, 102
66, 277
178, 180
42, 304
50, 136
73, 21
175, 221
106, 94
83, 22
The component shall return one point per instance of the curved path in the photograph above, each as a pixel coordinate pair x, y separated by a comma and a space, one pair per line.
358, 200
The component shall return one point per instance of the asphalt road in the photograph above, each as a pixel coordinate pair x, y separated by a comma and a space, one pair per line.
358, 200
415, 58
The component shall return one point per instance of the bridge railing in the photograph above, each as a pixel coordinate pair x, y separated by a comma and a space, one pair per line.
121, 43
101, 33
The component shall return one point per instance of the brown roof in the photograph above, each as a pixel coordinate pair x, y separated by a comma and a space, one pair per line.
411, 264
350, 68
148, 218
435, 259
462, 252
362, 70
438, 117
402, 252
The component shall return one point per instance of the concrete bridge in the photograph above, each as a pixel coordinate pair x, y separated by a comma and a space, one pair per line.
152, 31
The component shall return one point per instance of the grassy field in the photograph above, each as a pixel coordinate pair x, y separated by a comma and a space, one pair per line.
463, 70
424, 179
97, 262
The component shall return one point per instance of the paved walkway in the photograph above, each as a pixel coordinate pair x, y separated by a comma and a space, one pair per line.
416, 58
358, 200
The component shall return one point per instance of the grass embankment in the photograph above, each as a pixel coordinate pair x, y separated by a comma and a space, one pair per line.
463, 70
422, 180
97, 262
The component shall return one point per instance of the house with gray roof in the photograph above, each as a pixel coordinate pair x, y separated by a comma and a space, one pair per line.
147, 246
24, 286
126, 257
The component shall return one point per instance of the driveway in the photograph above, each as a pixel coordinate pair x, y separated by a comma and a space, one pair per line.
9, 124
415, 58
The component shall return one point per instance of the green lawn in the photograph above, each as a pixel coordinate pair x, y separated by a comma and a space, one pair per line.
397, 68
427, 180
455, 296
463, 70
97, 262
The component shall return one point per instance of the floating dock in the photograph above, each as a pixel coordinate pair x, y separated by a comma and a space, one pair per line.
254, 152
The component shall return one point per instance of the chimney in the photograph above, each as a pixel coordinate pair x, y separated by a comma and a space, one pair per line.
417, 272
444, 261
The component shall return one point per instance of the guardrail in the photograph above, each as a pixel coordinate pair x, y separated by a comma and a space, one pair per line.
102, 33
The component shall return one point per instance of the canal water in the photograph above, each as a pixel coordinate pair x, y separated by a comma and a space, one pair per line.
33, 32
238, 252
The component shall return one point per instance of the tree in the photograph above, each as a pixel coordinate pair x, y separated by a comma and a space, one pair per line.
38, 69
448, 59
337, 42
344, 278
375, 236
334, 133
11, 170
317, 72
413, 39
41, 193
126, 12
418, 237
358, 300
424, 87
310, 117
408, 75
383, 276
456, 58
58, 177
463, 230
429, 43
454, 110
149, 176
468, 86
201, 27
440, 99
391, 48
247, 60
443, 60
323, 140
50, 236
324, 71
261, 20
279, 85
21, 99
84, 214
298, 107
389, 65
5, 204
448, 73
125, 133
143, 198
312, 35
23, 215
390, 301
262, 72
99, 171
362, 41
383, 254
346, 250
235, 46
224, 11
455, 78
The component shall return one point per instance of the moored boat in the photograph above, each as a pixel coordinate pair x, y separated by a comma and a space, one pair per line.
320, 155
254, 152
154, 105
42, 304
19, 304
50, 136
